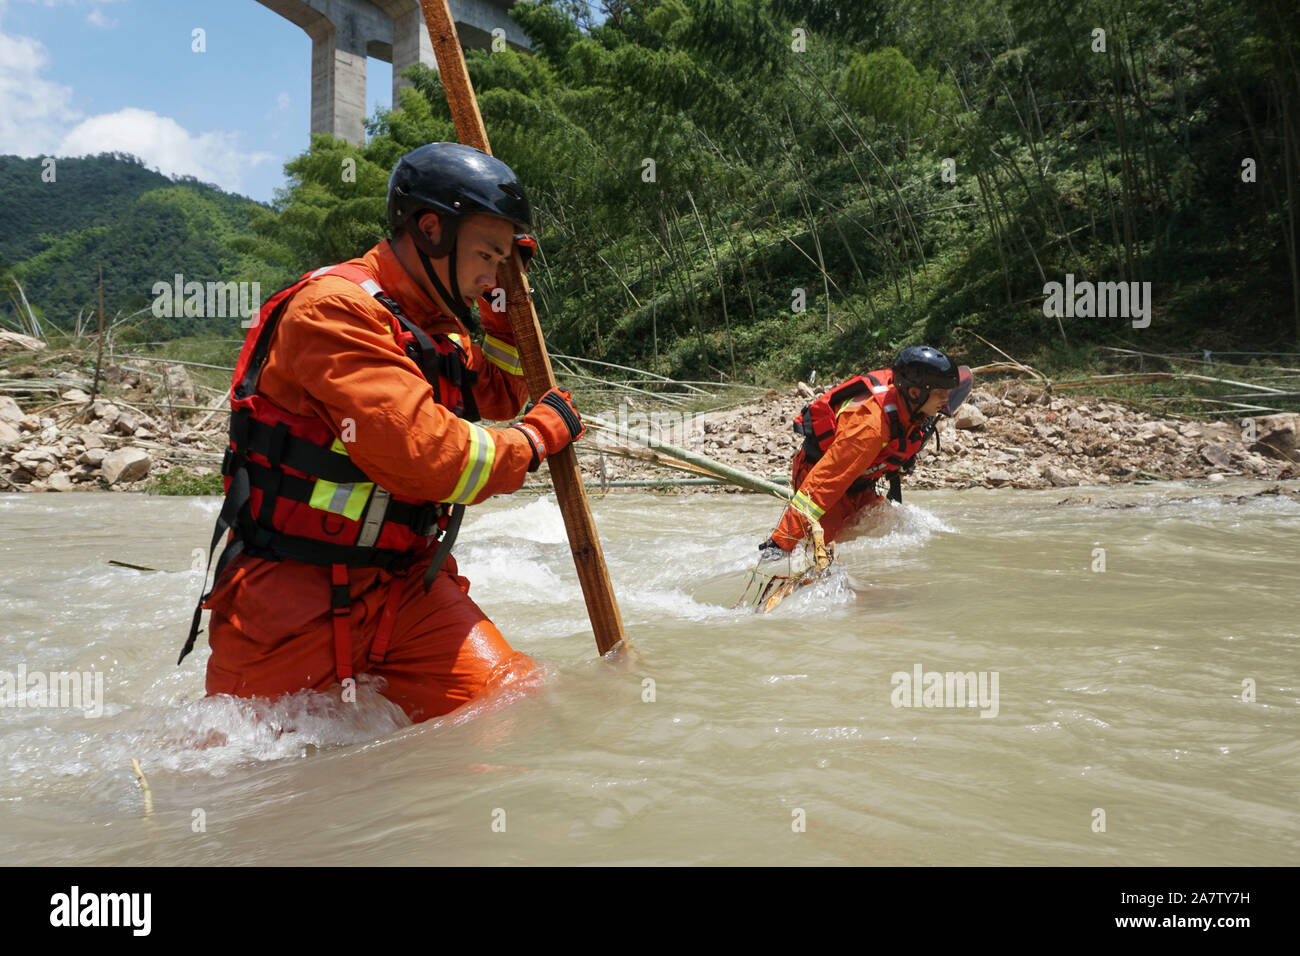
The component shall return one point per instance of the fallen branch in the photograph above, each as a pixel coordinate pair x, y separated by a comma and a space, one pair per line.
1017, 364
650, 457
702, 463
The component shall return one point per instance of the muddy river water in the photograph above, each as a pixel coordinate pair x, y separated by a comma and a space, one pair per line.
1128, 665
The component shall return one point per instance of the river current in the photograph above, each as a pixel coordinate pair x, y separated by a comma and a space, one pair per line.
1127, 659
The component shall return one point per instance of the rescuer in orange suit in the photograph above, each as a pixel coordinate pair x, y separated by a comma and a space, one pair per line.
868, 427
354, 449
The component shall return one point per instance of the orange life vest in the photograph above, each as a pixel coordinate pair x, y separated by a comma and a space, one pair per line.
818, 419
293, 492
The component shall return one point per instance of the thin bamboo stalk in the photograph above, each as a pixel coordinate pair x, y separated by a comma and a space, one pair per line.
99, 353
735, 475
627, 388
622, 368
124, 356
639, 483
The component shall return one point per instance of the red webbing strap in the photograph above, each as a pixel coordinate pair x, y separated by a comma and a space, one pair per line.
341, 606
380, 647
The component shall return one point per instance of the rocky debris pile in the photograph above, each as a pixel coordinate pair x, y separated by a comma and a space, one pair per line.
109, 444
1008, 434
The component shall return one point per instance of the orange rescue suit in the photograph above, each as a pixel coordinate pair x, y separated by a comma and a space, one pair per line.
335, 356
861, 442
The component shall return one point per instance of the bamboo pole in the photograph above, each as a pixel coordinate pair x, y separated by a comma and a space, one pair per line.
171, 361
648, 456
1141, 377
658, 396
627, 368
735, 476
593, 575
640, 483
99, 355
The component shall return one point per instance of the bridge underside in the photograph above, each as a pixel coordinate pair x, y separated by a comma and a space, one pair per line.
345, 32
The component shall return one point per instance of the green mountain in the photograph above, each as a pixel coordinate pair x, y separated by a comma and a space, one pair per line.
140, 225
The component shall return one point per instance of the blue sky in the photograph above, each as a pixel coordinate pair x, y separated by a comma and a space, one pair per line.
87, 76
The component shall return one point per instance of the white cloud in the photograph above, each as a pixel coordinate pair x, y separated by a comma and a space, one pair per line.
213, 157
33, 110
37, 118
282, 101
96, 18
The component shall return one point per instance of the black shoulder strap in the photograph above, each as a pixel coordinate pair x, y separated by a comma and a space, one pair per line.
434, 364
246, 387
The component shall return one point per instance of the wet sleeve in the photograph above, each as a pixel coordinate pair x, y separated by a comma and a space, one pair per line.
382, 409
859, 436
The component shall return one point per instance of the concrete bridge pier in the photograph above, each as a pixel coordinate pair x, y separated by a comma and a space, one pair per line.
345, 32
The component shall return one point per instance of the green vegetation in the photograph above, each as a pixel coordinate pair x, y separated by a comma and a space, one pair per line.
919, 169
179, 481
823, 170
141, 226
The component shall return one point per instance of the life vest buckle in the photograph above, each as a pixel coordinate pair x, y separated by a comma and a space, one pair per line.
425, 519
341, 600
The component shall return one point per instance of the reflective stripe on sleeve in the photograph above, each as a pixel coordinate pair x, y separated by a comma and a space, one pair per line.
804, 505
482, 450
502, 354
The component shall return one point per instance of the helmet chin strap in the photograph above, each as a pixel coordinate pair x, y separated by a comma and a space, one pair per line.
426, 250
912, 409
452, 298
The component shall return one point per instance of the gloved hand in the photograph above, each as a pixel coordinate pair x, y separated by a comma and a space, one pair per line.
527, 248
769, 550
551, 424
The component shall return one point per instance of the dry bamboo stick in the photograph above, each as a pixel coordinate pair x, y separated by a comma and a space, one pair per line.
623, 368
650, 457
702, 462
1020, 365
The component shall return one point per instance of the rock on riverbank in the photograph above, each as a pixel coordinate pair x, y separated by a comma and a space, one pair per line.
131, 429
1007, 434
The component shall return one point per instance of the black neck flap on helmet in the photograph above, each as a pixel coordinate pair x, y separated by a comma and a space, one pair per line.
454, 181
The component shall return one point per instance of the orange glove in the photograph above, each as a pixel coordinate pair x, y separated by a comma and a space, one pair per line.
527, 248
551, 424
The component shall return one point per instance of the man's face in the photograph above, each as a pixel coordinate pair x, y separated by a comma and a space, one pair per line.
938, 396
483, 243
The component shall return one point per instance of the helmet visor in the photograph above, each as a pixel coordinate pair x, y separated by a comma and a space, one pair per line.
959, 393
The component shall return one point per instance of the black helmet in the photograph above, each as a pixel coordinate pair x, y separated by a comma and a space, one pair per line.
456, 180
924, 367
453, 180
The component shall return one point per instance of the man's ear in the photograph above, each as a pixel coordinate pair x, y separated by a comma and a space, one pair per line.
431, 226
